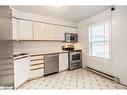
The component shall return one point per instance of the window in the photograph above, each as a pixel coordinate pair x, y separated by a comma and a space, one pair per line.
99, 39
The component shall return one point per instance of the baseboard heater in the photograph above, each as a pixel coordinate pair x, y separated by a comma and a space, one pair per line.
114, 78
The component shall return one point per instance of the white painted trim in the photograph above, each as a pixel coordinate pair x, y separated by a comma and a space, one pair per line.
89, 52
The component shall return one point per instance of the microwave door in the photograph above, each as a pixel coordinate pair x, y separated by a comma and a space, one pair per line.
68, 37
74, 38
71, 37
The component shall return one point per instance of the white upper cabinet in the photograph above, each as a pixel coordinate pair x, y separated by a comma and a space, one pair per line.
15, 26
49, 30
25, 30
70, 30
38, 29
28, 30
59, 31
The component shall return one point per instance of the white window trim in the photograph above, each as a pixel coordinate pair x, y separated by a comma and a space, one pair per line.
110, 40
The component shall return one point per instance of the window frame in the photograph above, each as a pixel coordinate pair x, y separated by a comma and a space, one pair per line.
109, 19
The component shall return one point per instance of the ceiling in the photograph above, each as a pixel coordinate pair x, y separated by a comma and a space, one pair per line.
69, 13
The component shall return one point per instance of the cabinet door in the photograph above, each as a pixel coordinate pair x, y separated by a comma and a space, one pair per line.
63, 61
49, 32
15, 29
70, 30
38, 29
21, 71
60, 33
36, 73
25, 30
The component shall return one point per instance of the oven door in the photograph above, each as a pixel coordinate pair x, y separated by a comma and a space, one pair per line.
75, 56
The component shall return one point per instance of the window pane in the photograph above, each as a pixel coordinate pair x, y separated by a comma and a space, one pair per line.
98, 33
98, 49
99, 40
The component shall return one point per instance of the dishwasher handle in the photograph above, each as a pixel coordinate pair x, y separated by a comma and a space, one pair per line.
51, 55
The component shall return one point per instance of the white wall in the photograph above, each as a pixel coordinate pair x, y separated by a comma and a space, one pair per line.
119, 43
36, 46
30, 16
118, 64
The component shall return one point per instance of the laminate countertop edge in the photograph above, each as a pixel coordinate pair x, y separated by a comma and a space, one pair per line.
22, 55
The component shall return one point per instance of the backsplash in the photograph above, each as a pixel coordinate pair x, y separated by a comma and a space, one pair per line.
37, 46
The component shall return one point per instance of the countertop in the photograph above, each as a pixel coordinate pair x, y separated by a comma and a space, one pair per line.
20, 56
47, 52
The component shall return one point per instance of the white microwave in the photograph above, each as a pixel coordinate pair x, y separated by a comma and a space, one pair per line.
71, 38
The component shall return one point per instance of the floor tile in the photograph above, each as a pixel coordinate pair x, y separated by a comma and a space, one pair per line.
75, 79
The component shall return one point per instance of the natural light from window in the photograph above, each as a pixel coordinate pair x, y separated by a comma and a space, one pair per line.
99, 39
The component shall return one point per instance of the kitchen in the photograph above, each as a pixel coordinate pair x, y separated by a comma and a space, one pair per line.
49, 52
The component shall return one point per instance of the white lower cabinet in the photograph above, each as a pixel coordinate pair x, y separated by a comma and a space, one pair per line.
21, 71
36, 66
26, 68
36, 73
63, 61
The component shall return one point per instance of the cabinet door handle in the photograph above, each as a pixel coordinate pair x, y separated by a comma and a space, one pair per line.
20, 57
52, 55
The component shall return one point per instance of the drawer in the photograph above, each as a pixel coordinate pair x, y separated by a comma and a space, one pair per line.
37, 66
37, 57
37, 61
37, 73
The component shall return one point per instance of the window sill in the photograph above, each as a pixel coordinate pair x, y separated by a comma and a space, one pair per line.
104, 60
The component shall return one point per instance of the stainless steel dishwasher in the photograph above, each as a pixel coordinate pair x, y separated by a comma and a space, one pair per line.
51, 64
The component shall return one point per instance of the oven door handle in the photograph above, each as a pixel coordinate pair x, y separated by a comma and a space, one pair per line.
73, 53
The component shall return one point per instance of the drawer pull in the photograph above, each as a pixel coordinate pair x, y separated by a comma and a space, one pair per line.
36, 68
35, 59
36, 64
